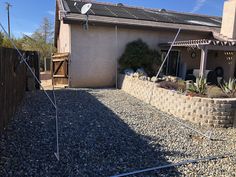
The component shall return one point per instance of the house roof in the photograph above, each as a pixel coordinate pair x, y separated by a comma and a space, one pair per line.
119, 14
135, 13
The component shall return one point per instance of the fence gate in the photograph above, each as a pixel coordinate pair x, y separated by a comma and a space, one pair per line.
60, 68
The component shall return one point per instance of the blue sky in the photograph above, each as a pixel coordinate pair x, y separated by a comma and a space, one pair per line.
26, 15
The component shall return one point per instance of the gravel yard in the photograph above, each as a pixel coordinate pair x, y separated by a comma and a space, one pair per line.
105, 132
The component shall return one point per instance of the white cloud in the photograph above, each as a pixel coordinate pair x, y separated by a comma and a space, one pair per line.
50, 12
28, 33
198, 5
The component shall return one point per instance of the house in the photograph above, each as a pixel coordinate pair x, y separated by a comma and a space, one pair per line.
205, 43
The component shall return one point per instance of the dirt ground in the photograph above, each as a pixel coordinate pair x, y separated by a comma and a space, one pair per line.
46, 81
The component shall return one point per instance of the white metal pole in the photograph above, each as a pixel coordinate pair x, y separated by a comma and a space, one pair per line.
176, 164
45, 64
23, 59
208, 134
116, 31
57, 153
167, 55
57, 127
160, 69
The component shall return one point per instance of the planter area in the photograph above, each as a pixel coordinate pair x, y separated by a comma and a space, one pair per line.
220, 113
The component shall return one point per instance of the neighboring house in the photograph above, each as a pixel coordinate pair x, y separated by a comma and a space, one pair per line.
204, 42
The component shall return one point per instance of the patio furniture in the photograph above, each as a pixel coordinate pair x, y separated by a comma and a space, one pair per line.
192, 74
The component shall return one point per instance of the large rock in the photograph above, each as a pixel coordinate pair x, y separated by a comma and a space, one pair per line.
154, 79
144, 78
129, 71
171, 79
136, 75
141, 72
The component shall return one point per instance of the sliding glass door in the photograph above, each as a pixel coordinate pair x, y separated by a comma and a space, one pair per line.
171, 67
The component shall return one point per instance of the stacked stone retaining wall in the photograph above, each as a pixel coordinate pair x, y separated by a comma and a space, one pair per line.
203, 111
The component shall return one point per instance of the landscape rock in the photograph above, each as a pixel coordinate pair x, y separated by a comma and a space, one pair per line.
129, 72
171, 79
144, 78
141, 72
154, 79
105, 132
136, 75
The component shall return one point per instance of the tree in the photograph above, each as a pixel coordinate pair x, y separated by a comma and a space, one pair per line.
1, 38
41, 40
138, 55
5, 42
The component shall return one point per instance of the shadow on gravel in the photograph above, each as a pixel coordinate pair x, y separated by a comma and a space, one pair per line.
93, 140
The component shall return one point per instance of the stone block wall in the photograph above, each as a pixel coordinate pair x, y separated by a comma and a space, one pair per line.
204, 111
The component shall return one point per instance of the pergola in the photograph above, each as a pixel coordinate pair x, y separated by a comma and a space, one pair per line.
205, 45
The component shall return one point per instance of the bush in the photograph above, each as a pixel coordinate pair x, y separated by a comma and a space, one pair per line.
229, 88
168, 85
215, 92
200, 87
181, 85
138, 55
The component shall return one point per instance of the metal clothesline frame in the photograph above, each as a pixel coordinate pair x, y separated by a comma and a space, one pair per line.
208, 133
54, 103
204, 159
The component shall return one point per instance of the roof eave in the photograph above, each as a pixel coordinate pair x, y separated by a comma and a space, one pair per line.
204, 43
59, 14
73, 18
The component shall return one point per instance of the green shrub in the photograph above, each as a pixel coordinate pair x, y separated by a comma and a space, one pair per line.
138, 55
229, 88
200, 87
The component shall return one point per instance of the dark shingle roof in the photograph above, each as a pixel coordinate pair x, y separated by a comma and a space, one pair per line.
120, 11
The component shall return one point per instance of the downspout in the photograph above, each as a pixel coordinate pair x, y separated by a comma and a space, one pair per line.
63, 9
116, 31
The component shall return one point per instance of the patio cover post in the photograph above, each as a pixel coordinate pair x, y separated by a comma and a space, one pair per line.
203, 63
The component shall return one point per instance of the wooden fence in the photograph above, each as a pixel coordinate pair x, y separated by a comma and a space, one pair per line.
13, 81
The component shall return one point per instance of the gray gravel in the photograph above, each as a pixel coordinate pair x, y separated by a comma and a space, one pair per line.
106, 132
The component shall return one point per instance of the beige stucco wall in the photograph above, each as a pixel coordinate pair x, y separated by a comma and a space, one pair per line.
192, 63
63, 42
94, 52
224, 59
93, 57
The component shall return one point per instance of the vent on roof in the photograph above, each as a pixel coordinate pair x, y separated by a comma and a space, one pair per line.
162, 10
120, 4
